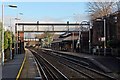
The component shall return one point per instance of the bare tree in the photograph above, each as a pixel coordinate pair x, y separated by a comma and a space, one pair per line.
99, 9
118, 5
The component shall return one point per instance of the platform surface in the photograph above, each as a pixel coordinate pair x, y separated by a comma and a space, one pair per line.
11, 68
30, 69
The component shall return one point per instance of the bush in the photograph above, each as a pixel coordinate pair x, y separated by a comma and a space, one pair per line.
114, 43
7, 39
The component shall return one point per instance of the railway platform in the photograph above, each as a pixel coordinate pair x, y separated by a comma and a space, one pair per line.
11, 68
30, 69
23, 66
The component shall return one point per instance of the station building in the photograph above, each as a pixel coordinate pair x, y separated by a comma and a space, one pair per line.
112, 25
71, 42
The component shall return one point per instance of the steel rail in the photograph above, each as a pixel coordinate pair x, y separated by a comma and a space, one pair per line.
87, 68
49, 68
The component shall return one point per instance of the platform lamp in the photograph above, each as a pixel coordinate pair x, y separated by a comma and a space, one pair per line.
16, 39
16, 25
2, 51
80, 32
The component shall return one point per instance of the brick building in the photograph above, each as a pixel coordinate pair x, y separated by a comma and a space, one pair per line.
20, 42
118, 25
112, 23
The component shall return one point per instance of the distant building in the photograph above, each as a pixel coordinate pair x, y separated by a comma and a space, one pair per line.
70, 42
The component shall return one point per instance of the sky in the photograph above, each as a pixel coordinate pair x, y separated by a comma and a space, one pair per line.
62, 11
47, 11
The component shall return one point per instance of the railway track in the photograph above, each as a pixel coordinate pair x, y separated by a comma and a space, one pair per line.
75, 65
48, 71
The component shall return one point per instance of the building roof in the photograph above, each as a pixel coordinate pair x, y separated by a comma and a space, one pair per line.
56, 36
58, 40
69, 38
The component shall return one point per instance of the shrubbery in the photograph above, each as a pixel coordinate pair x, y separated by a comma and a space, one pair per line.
114, 43
7, 39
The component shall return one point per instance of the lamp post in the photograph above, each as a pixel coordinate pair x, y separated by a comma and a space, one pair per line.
79, 38
68, 25
11, 49
76, 17
89, 37
12, 40
73, 41
2, 51
104, 36
16, 32
80, 30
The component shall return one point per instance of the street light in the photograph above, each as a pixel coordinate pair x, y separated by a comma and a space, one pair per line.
16, 32
11, 55
80, 30
2, 51
90, 26
104, 37
12, 6
12, 40
78, 42
75, 15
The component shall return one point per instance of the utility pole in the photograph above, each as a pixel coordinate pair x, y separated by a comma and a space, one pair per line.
12, 40
89, 37
37, 25
73, 41
2, 51
68, 25
104, 37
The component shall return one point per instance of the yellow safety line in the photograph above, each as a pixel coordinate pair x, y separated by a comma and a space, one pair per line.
18, 75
